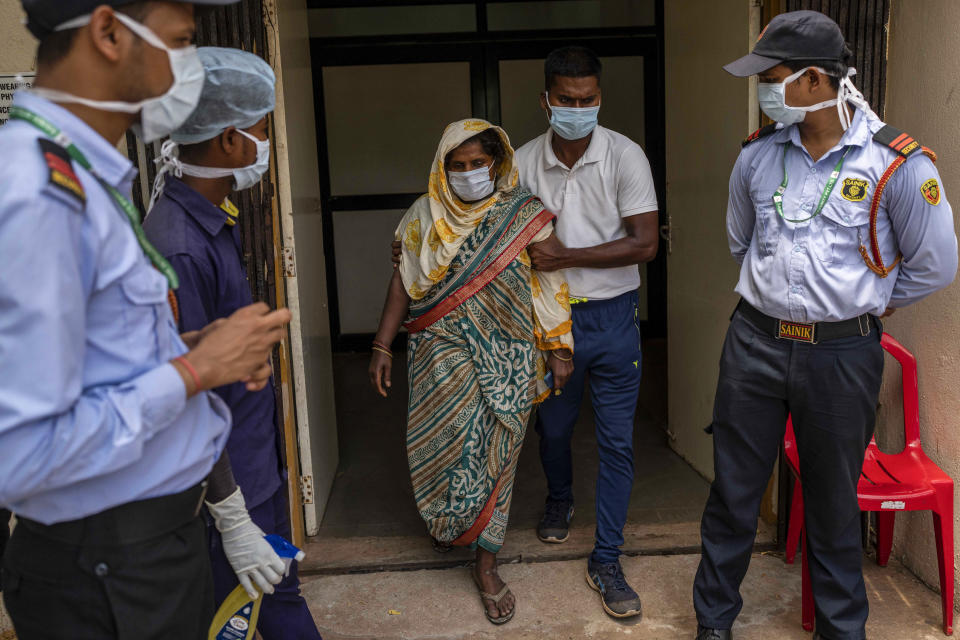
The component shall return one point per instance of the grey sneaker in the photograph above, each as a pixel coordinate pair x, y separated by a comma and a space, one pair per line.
554, 527
618, 599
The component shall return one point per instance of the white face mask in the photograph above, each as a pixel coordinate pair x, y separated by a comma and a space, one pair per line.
772, 97
243, 177
159, 116
473, 185
773, 101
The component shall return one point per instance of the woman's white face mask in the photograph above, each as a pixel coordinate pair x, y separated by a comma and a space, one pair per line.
472, 185
161, 115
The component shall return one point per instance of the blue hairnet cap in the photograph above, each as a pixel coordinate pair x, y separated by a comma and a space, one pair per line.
237, 92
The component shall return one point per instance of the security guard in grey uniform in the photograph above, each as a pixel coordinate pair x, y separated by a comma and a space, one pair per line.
106, 429
836, 219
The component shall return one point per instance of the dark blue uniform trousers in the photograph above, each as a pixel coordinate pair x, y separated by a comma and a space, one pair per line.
607, 348
284, 614
831, 390
4, 536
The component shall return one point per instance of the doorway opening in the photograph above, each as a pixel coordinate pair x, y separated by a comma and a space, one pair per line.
384, 91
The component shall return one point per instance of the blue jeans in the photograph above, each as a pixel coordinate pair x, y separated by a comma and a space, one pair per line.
607, 348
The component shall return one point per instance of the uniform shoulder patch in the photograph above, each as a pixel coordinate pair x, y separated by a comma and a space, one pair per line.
62, 175
762, 132
901, 142
931, 191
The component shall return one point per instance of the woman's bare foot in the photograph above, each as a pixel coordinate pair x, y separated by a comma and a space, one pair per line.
485, 573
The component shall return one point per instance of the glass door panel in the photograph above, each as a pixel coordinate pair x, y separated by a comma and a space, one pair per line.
362, 240
570, 14
384, 123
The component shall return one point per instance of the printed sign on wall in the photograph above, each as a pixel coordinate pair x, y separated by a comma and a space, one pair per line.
9, 83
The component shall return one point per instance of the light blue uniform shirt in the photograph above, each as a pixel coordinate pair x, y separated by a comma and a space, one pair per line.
813, 271
92, 415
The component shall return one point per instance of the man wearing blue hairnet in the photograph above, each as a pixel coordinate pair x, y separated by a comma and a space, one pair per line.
222, 147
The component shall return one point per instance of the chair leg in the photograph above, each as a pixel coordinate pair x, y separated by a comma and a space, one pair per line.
806, 588
943, 528
885, 522
795, 525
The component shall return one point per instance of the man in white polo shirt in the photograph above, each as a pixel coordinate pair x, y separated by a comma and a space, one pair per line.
598, 183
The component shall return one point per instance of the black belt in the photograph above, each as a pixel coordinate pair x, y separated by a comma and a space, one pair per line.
128, 523
809, 332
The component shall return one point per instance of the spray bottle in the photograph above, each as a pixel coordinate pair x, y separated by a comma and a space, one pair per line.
236, 619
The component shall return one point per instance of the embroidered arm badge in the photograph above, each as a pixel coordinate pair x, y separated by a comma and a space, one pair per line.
62, 175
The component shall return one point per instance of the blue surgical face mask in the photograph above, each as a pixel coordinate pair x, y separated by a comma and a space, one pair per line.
572, 123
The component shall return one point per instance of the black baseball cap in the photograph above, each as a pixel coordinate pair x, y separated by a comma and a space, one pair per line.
796, 35
43, 16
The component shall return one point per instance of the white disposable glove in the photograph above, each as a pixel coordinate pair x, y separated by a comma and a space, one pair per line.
252, 558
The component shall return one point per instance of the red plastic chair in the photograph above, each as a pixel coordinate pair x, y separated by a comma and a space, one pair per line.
906, 481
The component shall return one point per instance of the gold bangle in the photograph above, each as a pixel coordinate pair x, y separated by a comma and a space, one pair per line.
560, 358
382, 345
383, 351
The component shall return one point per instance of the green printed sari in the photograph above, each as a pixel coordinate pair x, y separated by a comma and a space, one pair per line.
473, 365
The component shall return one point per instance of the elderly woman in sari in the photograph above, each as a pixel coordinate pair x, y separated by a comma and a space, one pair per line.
489, 337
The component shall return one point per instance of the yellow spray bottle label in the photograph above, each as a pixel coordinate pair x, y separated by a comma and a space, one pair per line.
236, 619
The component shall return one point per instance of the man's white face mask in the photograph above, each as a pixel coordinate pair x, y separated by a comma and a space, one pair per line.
243, 177
772, 97
161, 115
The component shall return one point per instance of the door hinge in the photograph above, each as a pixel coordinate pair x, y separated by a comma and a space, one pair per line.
306, 489
289, 263
666, 232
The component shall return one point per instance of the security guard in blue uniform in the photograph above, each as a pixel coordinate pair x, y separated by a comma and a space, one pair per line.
836, 219
106, 429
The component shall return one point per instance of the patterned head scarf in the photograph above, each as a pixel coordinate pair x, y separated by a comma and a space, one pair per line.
438, 223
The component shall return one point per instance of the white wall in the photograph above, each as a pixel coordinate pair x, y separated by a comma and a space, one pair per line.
923, 99
707, 115
17, 47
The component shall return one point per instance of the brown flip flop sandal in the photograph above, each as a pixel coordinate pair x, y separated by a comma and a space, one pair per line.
495, 599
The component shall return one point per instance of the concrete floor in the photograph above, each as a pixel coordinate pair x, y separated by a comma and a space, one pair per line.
554, 602
372, 525
372, 495
372, 574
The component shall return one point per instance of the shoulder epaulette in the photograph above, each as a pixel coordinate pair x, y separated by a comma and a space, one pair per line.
62, 175
901, 142
762, 132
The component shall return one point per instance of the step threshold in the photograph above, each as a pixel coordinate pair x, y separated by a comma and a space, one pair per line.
338, 556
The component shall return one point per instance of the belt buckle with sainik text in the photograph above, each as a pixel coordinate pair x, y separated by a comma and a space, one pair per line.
798, 331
